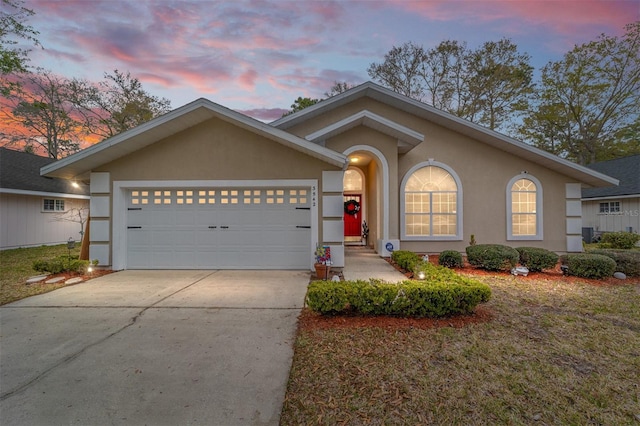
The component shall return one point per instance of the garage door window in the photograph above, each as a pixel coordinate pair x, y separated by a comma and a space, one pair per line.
239, 228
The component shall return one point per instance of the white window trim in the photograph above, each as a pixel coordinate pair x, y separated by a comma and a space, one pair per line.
609, 212
55, 210
459, 206
539, 209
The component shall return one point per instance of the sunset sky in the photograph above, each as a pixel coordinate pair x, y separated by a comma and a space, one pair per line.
258, 56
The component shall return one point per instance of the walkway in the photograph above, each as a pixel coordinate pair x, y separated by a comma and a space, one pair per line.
363, 263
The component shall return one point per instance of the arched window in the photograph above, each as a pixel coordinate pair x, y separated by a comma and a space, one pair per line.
432, 204
524, 208
352, 181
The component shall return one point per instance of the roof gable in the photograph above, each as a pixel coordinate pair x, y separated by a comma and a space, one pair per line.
20, 173
80, 164
406, 137
452, 122
626, 169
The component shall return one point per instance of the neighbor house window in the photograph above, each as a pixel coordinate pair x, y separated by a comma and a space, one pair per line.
432, 203
524, 208
610, 207
52, 205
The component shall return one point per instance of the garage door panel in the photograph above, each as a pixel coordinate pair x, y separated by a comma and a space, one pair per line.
214, 228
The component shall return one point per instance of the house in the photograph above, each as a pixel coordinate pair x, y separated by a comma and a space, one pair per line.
617, 208
37, 210
207, 187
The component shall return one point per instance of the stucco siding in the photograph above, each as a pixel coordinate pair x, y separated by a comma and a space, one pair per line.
388, 147
484, 172
216, 150
24, 224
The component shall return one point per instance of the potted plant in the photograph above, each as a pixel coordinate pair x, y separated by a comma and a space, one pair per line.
323, 262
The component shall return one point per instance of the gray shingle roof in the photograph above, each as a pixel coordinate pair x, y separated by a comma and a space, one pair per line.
626, 169
21, 171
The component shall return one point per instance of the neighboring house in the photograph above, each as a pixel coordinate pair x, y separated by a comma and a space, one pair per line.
617, 208
37, 210
207, 187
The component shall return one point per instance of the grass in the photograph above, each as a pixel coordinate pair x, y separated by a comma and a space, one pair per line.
554, 353
15, 268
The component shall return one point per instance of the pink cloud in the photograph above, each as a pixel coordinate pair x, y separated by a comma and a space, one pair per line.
564, 17
247, 79
264, 114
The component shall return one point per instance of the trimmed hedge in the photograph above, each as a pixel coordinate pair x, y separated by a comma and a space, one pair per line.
493, 257
586, 265
537, 259
619, 240
406, 259
442, 293
627, 261
450, 259
60, 264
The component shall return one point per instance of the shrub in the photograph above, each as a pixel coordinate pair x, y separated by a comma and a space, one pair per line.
493, 257
619, 240
627, 261
537, 259
405, 259
588, 265
443, 293
450, 259
60, 264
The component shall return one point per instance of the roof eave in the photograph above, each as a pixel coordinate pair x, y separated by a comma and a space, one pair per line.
78, 165
457, 124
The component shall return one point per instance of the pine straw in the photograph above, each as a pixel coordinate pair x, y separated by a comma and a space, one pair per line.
543, 352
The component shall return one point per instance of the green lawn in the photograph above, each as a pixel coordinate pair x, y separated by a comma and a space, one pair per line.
554, 353
15, 268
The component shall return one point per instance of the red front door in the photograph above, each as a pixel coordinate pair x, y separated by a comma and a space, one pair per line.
353, 218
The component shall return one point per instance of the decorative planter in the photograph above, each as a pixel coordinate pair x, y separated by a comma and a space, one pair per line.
322, 271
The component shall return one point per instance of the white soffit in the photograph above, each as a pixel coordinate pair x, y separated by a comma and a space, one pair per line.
79, 165
406, 137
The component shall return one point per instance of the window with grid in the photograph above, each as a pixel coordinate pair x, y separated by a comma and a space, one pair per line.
524, 215
610, 207
52, 205
430, 203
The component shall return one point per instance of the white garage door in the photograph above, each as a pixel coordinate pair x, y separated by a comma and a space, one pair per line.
219, 228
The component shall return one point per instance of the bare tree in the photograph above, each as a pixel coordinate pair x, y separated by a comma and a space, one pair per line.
41, 115
114, 105
488, 85
78, 215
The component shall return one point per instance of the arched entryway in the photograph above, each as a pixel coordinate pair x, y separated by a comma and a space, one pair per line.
354, 206
368, 178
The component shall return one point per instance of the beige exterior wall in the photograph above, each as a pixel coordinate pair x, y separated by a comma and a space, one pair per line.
629, 215
24, 223
388, 147
374, 207
216, 150
484, 173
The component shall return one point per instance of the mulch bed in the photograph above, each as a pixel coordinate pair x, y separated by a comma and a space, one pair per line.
547, 275
310, 320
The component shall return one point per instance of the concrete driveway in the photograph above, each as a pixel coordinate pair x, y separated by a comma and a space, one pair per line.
152, 347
